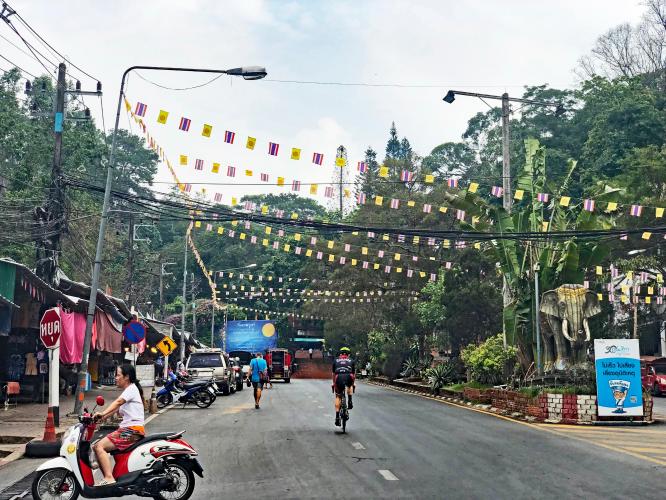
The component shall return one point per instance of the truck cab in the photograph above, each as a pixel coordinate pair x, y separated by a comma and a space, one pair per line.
653, 374
279, 364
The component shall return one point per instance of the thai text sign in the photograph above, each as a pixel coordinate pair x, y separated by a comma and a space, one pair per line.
618, 367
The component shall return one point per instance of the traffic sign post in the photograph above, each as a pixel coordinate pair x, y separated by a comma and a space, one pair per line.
134, 332
50, 328
166, 346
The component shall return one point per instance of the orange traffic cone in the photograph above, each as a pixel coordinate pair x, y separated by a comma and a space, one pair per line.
49, 430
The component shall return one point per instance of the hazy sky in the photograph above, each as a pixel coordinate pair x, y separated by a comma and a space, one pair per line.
489, 46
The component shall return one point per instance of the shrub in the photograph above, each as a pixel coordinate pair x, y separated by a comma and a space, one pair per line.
411, 367
441, 375
489, 362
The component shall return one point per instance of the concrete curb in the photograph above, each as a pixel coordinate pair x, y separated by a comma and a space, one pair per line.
20, 453
486, 408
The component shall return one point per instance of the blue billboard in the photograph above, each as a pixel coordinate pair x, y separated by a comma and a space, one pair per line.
618, 367
251, 336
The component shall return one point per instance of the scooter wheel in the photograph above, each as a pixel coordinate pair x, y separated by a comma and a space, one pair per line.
184, 479
45, 483
164, 400
203, 399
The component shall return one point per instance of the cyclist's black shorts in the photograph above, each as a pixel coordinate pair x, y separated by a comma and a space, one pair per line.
343, 380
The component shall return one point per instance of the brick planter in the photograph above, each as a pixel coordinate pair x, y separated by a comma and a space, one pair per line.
476, 395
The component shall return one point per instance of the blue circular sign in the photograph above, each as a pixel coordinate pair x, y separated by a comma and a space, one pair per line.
134, 332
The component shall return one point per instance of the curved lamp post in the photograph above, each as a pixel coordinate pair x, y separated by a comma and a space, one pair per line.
247, 73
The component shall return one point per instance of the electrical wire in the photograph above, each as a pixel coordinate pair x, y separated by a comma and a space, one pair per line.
388, 85
177, 88
17, 66
30, 47
47, 44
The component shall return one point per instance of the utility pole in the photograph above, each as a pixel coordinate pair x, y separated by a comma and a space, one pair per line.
506, 157
194, 309
162, 274
48, 249
341, 156
130, 262
184, 308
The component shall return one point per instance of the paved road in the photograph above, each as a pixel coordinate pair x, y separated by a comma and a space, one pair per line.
398, 446
660, 406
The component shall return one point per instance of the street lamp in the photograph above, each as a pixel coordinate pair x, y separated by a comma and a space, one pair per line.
214, 302
248, 73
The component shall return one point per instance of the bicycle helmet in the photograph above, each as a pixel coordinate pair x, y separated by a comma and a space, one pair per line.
344, 350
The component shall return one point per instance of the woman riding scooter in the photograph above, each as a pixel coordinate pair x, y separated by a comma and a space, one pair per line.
131, 409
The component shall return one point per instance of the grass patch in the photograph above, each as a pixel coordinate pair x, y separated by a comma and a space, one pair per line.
533, 392
472, 385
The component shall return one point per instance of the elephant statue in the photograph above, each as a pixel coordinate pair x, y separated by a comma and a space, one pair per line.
567, 310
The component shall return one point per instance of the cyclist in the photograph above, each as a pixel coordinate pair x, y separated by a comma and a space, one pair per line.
344, 374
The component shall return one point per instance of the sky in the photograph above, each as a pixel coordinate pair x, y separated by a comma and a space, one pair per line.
476, 45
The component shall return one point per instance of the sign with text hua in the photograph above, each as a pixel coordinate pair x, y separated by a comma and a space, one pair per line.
618, 369
50, 328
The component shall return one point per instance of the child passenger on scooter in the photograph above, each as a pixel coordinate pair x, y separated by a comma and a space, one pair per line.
130, 407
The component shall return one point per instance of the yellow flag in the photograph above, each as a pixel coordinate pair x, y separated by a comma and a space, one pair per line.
234, 223
207, 130
646, 235
659, 212
280, 181
544, 225
411, 203
264, 242
429, 178
220, 230
364, 250
650, 290
600, 270
313, 189
396, 256
385, 237
331, 257
353, 262
475, 219
162, 117
197, 223
295, 154
398, 269
355, 233
268, 229
648, 300
128, 106
294, 215
518, 195
242, 236
346, 193
564, 201
183, 159
473, 186
330, 244
422, 274
611, 206
477, 245
264, 209
308, 252
600, 297
375, 266
340, 162
443, 209
216, 168
417, 239
248, 173
383, 171
630, 275
379, 200
251, 142
287, 247
660, 278
234, 201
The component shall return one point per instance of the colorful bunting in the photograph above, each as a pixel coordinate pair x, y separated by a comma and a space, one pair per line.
295, 154
273, 148
588, 205
362, 167
231, 171
140, 109
497, 191
317, 158
198, 164
184, 124
229, 136
636, 210
251, 142
395, 203
162, 117
207, 130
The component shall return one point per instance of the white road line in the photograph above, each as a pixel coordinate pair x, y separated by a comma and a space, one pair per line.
358, 446
388, 475
320, 407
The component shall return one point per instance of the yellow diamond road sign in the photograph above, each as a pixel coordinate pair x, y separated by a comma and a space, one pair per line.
166, 346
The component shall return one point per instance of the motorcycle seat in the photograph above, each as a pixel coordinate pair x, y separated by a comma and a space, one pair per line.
191, 385
147, 439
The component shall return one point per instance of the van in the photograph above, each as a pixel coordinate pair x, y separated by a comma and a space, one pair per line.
204, 363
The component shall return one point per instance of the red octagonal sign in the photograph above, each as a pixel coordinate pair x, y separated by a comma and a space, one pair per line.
50, 328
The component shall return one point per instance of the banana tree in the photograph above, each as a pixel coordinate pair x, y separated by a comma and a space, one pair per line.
560, 261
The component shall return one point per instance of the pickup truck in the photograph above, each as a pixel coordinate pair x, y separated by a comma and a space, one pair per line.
653, 374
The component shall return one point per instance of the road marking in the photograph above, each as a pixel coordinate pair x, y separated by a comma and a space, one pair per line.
358, 446
388, 475
320, 407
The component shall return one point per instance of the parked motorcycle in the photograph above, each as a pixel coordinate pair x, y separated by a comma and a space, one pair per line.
160, 466
202, 393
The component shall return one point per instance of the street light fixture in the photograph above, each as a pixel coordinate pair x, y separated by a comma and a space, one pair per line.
214, 302
248, 73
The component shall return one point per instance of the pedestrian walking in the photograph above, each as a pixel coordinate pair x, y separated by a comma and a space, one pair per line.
310, 351
258, 376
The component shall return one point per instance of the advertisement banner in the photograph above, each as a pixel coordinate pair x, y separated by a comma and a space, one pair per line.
618, 367
251, 336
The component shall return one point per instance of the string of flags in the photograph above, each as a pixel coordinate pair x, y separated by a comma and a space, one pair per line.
281, 314
353, 300
282, 292
229, 136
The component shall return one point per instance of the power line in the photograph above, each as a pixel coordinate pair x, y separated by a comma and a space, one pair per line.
177, 88
387, 85
17, 66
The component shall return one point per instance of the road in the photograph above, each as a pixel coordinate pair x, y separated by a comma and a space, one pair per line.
660, 406
403, 446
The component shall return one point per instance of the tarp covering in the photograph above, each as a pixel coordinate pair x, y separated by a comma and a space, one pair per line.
252, 336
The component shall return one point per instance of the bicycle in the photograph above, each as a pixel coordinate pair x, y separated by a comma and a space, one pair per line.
344, 412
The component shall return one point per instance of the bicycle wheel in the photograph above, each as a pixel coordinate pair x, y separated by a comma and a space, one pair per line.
345, 417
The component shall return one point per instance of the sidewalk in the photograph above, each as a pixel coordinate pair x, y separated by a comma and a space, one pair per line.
22, 423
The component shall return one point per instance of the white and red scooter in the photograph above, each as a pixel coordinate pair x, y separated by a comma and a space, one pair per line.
158, 466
